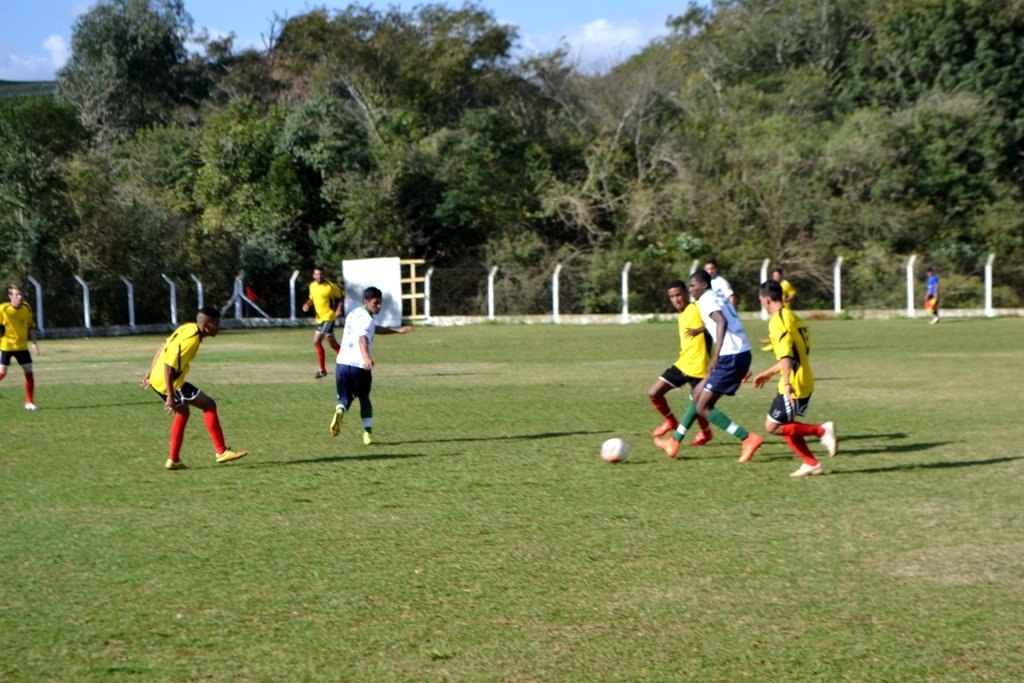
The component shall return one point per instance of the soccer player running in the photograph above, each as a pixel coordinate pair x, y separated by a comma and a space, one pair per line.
788, 294
19, 332
689, 369
791, 343
167, 378
353, 373
931, 297
328, 300
729, 365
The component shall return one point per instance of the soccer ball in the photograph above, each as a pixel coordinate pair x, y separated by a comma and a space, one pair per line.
614, 450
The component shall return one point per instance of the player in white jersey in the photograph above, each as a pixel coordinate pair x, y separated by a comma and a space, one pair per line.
353, 375
719, 283
729, 365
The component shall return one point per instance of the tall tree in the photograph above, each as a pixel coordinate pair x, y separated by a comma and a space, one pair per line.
124, 72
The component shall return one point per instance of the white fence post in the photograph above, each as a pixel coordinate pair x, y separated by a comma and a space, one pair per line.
764, 278
199, 291
910, 285
989, 312
426, 292
85, 302
131, 300
39, 303
291, 291
555, 317
625, 291
490, 292
837, 285
693, 267
174, 299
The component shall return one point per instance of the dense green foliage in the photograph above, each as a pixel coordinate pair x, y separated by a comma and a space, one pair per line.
482, 539
795, 130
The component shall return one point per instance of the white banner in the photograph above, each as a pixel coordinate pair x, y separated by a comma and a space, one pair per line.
383, 273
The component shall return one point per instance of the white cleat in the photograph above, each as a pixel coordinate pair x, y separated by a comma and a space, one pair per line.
806, 469
31, 406
828, 439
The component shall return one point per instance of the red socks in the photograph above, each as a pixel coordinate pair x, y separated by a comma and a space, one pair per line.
30, 385
660, 404
705, 426
213, 426
799, 447
799, 429
320, 357
177, 435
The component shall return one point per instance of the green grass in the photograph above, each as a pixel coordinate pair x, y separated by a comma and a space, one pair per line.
482, 538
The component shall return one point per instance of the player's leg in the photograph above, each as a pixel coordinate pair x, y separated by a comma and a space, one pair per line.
321, 357
670, 442
656, 395
25, 360
211, 419
344, 384
365, 383
729, 374
181, 415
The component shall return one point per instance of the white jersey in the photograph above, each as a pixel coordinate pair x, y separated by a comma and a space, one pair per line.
358, 323
735, 339
721, 285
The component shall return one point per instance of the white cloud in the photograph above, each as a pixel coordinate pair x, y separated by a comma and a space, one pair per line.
597, 45
58, 49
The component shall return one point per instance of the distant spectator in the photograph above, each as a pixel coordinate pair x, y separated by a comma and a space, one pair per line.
931, 297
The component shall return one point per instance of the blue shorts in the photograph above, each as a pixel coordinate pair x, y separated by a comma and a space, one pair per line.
728, 374
352, 383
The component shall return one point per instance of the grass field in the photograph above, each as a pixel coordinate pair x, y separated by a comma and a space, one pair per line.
482, 538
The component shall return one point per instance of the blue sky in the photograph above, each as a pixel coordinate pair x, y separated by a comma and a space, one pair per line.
35, 35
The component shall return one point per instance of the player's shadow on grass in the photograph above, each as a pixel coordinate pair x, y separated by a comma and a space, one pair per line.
928, 466
506, 437
345, 458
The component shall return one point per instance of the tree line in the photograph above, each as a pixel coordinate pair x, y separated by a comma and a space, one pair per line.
797, 130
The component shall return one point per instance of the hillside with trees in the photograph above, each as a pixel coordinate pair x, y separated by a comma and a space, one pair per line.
797, 130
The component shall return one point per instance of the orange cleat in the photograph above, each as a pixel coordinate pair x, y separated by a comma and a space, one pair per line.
667, 444
665, 427
702, 438
750, 446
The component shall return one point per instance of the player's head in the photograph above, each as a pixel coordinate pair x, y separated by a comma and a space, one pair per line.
777, 274
372, 298
700, 280
208, 321
677, 294
929, 271
318, 273
15, 294
770, 290
711, 267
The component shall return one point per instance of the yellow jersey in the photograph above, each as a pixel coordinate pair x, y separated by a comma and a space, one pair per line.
178, 351
17, 321
790, 338
693, 351
788, 292
325, 296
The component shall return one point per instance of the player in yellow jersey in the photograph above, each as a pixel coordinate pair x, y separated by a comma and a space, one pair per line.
689, 369
788, 294
167, 377
791, 343
19, 333
327, 299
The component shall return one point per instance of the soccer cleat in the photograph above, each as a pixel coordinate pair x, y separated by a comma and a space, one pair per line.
367, 438
806, 469
339, 415
665, 427
934, 321
319, 374
667, 444
702, 437
31, 406
750, 446
828, 439
229, 455
174, 465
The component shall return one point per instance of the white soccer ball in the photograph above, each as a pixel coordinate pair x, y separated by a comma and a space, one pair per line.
614, 450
